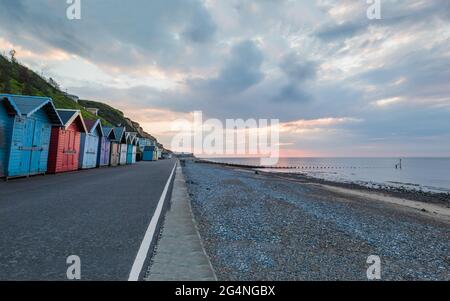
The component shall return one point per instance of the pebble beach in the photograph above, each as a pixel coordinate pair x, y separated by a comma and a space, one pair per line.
260, 227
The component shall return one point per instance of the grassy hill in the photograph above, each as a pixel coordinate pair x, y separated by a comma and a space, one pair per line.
115, 117
18, 79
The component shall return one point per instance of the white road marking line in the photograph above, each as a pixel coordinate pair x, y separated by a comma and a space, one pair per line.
148, 237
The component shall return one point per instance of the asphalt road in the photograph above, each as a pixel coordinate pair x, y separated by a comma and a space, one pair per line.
100, 215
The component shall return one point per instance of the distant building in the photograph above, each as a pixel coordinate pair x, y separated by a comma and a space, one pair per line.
93, 111
184, 155
72, 97
166, 155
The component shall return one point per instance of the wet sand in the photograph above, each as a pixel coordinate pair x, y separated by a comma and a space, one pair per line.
431, 204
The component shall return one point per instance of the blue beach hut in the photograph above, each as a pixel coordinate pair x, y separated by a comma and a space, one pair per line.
90, 142
150, 153
25, 129
131, 147
143, 142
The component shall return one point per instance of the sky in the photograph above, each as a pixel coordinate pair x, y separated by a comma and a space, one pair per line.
341, 84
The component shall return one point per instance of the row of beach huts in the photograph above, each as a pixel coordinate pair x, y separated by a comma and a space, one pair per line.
36, 138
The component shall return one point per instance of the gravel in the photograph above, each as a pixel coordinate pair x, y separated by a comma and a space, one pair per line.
257, 227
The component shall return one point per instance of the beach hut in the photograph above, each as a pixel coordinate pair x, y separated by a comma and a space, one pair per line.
159, 152
105, 149
131, 147
135, 146
150, 153
7, 116
89, 145
139, 148
115, 146
143, 142
25, 127
64, 151
148, 149
122, 140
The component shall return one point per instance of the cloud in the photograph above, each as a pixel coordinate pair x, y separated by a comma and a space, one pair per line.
291, 60
298, 126
292, 92
240, 71
201, 28
133, 33
332, 32
349, 17
388, 101
298, 69
298, 72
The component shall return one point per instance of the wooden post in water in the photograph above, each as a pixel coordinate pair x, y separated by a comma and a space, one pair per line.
399, 165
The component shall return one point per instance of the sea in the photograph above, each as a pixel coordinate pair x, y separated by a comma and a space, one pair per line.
421, 174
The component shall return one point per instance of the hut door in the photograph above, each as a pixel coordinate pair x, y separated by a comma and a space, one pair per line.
93, 146
66, 139
69, 150
114, 153
104, 151
36, 148
15, 157
72, 151
41, 140
27, 144
45, 145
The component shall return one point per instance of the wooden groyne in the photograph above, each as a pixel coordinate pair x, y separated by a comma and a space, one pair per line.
301, 167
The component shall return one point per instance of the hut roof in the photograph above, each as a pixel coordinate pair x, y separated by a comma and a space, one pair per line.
109, 132
28, 105
146, 142
120, 133
69, 116
131, 137
92, 125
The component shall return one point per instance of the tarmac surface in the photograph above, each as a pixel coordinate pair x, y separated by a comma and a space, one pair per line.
99, 215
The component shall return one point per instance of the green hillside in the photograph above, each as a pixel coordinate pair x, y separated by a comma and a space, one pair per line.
115, 117
18, 79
